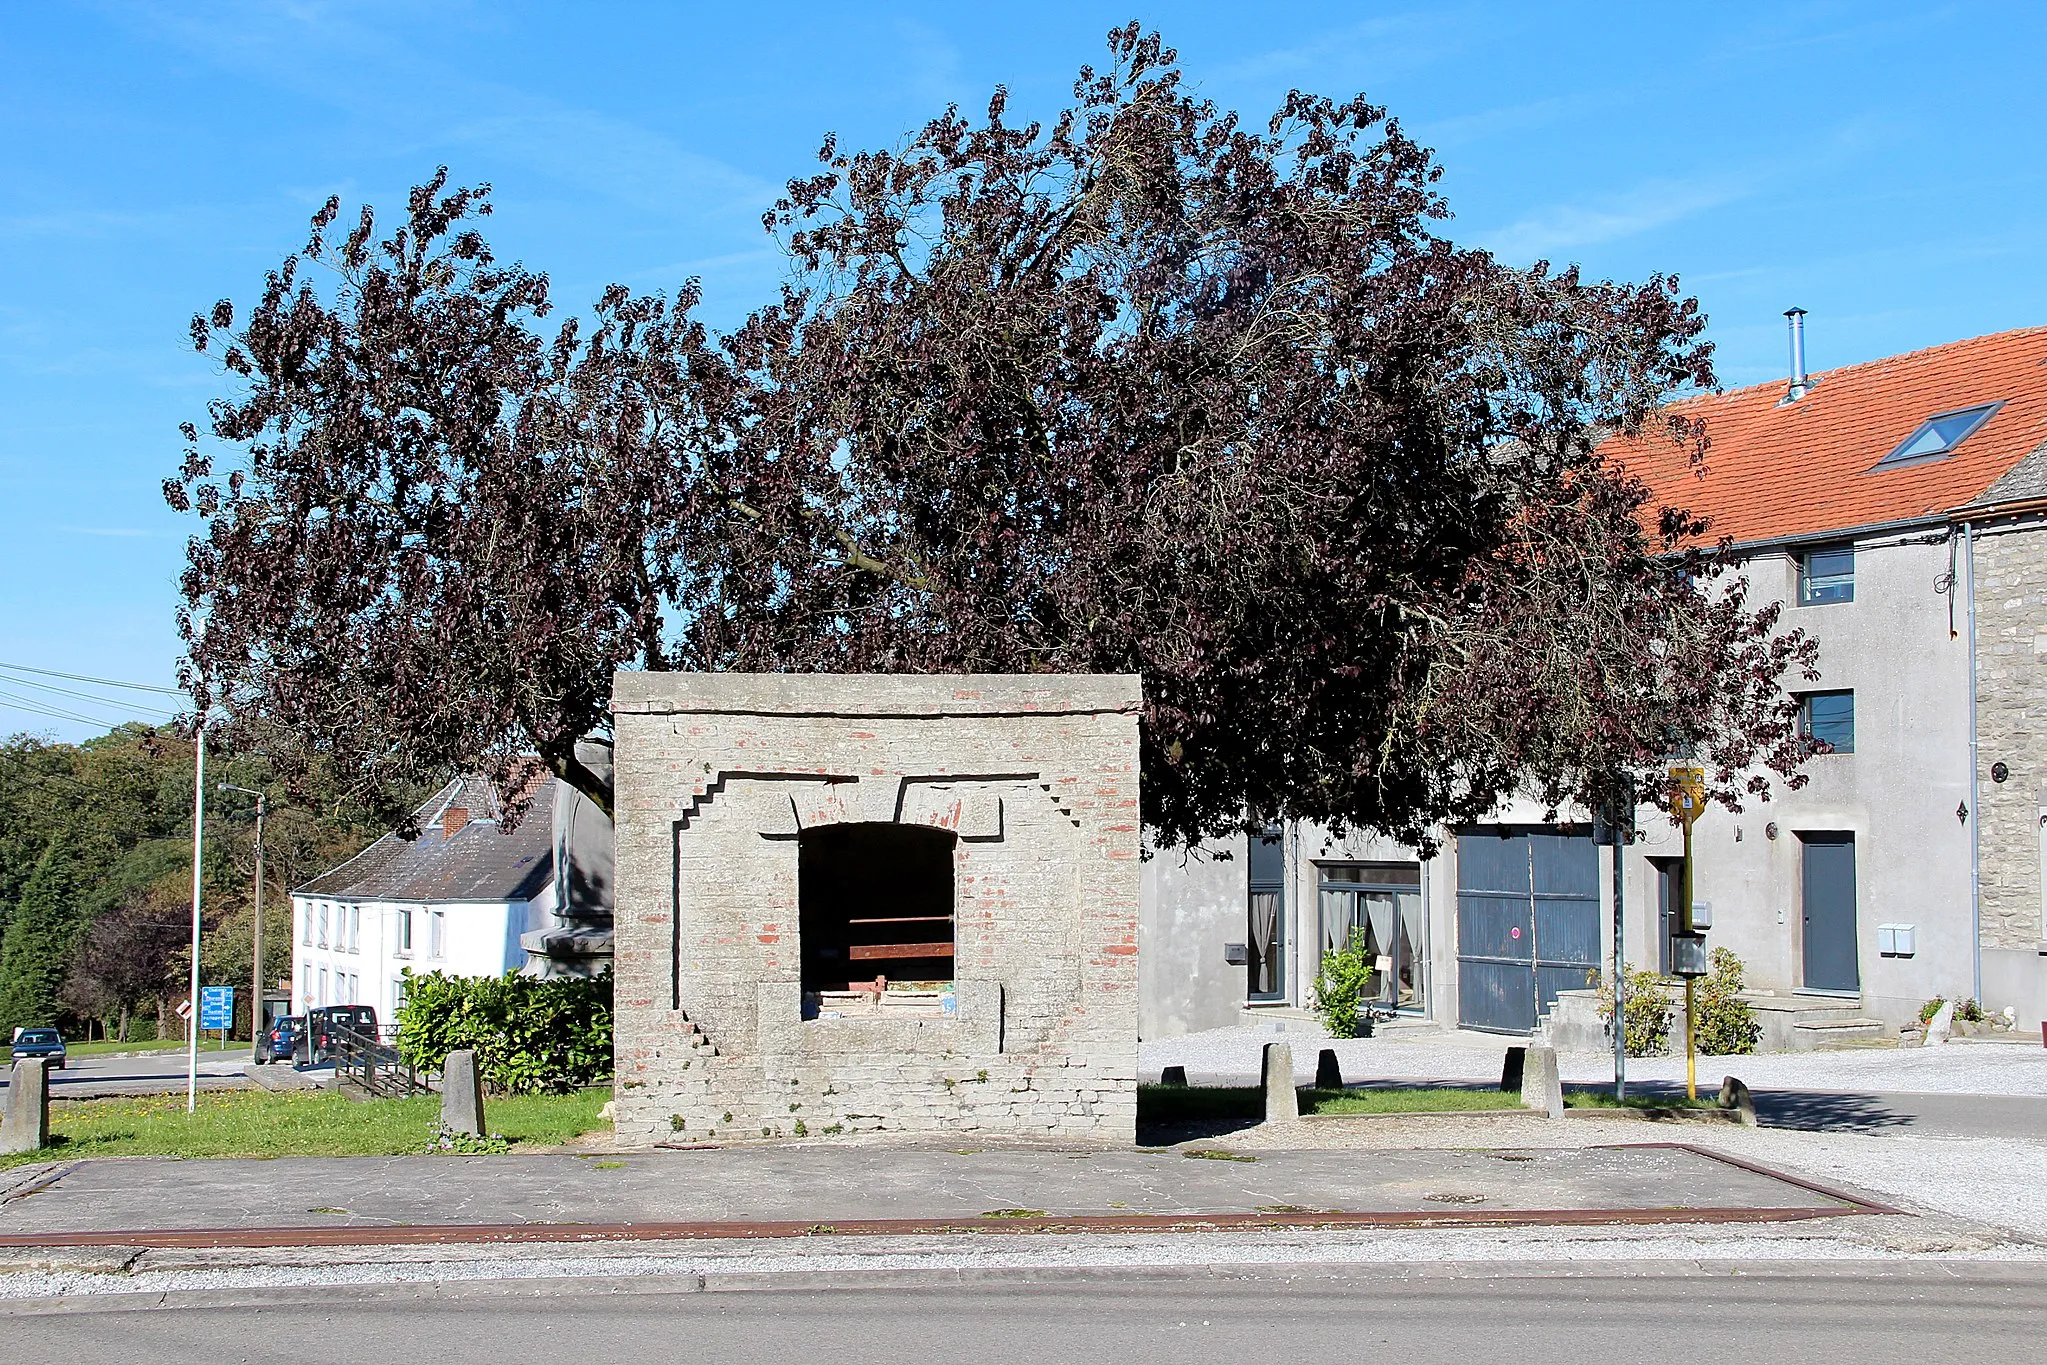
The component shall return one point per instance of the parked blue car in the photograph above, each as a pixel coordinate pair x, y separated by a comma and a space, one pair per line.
281, 1041
46, 1043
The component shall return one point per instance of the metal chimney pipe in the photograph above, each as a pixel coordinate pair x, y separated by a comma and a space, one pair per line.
1799, 383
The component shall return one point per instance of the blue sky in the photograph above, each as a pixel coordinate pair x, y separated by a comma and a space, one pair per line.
1878, 164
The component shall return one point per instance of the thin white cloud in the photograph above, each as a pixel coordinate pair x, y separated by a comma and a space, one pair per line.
1389, 43
613, 157
1563, 228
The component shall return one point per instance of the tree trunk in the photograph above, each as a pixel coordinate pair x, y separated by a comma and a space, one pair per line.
124, 1023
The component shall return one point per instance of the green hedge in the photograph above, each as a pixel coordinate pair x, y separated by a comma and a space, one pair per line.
530, 1036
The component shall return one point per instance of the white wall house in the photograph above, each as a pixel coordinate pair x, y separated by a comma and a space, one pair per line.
466, 897
1897, 511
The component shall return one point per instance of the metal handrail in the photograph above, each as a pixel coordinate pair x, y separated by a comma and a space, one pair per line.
375, 1066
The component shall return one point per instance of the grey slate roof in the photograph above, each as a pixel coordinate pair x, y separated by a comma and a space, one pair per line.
480, 863
2026, 479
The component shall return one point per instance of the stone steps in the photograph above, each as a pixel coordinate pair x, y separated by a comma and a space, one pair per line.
1834, 1034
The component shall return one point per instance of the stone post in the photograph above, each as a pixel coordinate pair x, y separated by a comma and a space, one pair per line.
26, 1126
461, 1094
1542, 1087
1734, 1095
1282, 1105
1511, 1069
1328, 1072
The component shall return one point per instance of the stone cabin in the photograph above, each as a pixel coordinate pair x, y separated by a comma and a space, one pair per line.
856, 903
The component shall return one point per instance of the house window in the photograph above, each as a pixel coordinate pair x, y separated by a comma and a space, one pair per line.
875, 904
306, 980
1937, 436
305, 924
323, 997
355, 928
1826, 576
436, 935
404, 934
1379, 905
323, 924
1265, 956
1828, 717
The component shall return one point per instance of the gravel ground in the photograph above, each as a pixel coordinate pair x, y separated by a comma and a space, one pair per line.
852, 1262
1231, 1057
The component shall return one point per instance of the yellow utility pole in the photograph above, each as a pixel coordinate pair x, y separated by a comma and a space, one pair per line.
1687, 802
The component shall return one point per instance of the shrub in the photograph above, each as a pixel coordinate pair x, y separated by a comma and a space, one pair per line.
1725, 1025
1648, 1011
1931, 1008
530, 1035
1340, 985
1969, 1012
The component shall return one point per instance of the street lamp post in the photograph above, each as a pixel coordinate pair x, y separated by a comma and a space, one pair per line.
256, 966
198, 869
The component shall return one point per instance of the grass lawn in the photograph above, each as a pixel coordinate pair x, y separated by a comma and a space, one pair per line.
112, 1049
258, 1123
1190, 1103
1603, 1099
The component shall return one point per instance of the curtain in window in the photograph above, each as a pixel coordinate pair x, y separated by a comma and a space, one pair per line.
1264, 937
1407, 971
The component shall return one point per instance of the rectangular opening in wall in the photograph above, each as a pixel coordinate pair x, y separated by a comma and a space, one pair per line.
875, 904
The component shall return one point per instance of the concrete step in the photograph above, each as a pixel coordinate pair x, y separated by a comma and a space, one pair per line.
1836, 1033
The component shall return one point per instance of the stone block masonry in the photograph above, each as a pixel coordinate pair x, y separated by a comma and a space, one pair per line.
2011, 721
1028, 786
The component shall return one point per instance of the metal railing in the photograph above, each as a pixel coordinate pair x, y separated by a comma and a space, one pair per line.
375, 1066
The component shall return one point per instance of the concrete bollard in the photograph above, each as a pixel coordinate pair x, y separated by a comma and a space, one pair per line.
1282, 1105
1511, 1069
1542, 1087
1941, 1027
1173, 1075
461, 1094
26, 1126
1734, 1095
1328, 1073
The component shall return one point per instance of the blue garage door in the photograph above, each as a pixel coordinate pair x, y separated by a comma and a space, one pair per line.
1527, 924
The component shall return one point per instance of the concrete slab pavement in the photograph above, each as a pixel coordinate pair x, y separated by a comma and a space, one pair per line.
820, 1188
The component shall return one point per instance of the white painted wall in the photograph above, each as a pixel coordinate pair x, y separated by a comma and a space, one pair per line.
359, 956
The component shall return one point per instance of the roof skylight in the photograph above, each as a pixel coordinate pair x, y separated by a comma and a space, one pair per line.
1937, 437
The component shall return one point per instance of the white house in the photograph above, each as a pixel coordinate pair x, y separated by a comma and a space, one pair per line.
466, 897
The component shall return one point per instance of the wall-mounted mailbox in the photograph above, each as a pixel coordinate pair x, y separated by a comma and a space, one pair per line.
1702, 915
1236, 954
1897, 940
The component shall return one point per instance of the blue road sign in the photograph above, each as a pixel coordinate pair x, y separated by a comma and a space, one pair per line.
216, 1007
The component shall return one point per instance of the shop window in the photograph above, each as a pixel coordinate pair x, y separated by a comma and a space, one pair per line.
1380, 906
875, 903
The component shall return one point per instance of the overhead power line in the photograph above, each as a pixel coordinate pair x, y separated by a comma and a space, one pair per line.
112, 702
103, 682
54, 712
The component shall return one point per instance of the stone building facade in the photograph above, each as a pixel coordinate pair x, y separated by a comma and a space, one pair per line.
863, 903
2008, 552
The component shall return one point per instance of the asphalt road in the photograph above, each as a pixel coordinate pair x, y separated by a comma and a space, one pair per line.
1869, 1313
148, 1073
1929, 1114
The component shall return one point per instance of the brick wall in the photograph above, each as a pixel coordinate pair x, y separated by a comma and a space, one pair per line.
716, 777
2011, 720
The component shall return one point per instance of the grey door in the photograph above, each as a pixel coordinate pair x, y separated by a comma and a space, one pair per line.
1829, 894
1527, 924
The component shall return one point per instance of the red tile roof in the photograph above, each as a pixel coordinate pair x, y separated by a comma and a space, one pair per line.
1776, 471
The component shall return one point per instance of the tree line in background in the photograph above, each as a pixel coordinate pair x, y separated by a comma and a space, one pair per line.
96, 878
1143, 387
